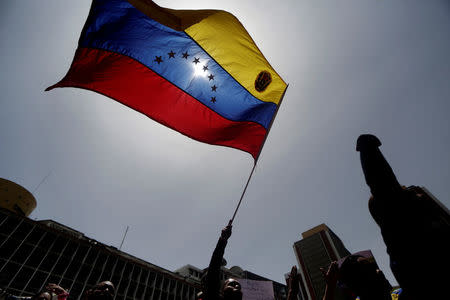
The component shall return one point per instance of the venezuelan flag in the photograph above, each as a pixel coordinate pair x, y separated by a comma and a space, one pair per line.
196, 71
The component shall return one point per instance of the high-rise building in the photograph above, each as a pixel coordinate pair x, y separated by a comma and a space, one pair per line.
34, 253
318, 248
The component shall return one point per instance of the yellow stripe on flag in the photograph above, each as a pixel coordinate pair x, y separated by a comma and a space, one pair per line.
226, 40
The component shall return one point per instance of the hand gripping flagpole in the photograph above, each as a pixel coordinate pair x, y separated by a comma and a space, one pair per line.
257, 157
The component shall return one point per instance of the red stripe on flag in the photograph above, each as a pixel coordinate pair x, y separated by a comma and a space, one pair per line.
133, 84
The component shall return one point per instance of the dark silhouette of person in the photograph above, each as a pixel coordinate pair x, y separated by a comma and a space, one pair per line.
293, 284
42, 296
101, 291
359, 276
331, 278
51, 291
363, 277
416, 240
212, 290
232, 290
57, 290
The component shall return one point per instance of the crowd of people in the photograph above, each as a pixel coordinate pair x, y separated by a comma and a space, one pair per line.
416, 241
102, 291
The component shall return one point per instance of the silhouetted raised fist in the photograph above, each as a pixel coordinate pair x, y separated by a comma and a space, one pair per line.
414, 226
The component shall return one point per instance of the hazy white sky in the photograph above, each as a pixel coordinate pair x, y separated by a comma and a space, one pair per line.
354, 66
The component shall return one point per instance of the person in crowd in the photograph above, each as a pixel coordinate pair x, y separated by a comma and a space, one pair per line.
45, 295
416, 238
101, 291
293, 284
231, 289
361, 276
7, 296
331, 278
50, 292
56, 291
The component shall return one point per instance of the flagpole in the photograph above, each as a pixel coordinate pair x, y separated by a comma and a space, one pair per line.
257, 157
242, 195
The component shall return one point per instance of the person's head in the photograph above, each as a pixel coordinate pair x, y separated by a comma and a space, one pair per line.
362, 276
101, 291
232, 290
44, 295
57, 292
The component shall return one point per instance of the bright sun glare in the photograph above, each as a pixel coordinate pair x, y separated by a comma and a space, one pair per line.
198, 69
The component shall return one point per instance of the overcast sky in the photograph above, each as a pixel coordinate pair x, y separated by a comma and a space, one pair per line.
354, 66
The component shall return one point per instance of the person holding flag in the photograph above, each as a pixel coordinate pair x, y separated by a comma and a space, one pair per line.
212, 290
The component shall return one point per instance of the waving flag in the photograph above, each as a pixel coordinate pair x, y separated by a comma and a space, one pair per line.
196, 71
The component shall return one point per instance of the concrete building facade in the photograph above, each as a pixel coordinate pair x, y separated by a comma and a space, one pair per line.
34, 253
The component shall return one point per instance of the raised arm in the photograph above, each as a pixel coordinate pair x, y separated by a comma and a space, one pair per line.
293, 284
331, 277
212, 280
377, 171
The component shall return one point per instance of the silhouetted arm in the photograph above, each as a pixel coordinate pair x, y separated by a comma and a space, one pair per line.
331, 276
212, 280
293, 284
377, 171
